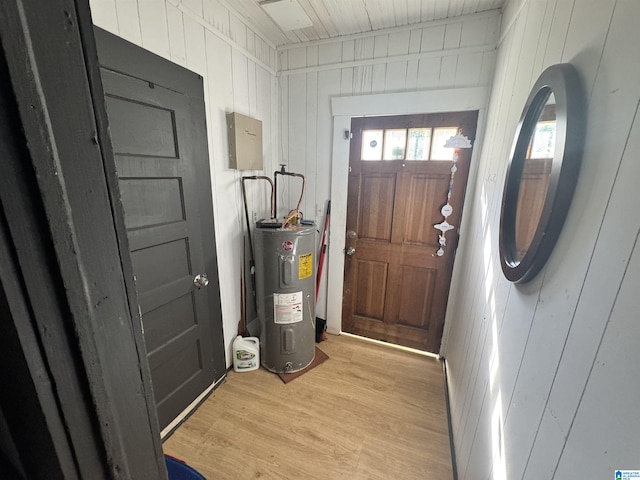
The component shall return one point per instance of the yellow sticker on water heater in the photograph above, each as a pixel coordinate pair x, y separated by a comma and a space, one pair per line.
305, 266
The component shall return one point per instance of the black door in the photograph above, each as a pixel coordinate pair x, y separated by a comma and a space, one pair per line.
159, 141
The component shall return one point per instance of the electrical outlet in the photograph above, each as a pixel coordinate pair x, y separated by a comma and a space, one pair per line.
254, 215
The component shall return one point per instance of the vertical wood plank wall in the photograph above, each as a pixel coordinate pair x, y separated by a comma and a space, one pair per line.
436, 55
238, 68
543, 377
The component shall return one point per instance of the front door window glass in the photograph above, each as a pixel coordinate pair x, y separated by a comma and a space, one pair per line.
407, 144
372, 144
394, 144
419, 144
440, 136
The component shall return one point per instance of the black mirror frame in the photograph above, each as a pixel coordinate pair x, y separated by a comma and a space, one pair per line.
564, 82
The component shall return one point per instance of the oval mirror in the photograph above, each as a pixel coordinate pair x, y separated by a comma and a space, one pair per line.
542, 173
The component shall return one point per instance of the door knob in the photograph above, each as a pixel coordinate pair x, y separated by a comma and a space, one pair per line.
351, 234
350, 251
201, 280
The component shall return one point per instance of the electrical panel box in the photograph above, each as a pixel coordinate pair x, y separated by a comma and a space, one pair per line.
245, 142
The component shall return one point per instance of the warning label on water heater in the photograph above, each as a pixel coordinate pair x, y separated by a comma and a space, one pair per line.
287, 307
305, 266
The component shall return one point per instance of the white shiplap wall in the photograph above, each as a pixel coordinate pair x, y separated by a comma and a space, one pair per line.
238, 69
431, 56
543, 377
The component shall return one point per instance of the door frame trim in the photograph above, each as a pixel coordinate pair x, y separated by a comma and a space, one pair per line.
65, 293
405, 103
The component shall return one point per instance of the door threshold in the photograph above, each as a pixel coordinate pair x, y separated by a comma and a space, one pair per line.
393, 345
186, 413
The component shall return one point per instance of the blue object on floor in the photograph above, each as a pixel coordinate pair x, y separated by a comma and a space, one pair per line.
178, 470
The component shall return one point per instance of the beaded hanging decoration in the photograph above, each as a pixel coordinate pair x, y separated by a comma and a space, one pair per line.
457, 142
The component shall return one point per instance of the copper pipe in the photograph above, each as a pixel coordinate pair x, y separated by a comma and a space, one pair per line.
290, 174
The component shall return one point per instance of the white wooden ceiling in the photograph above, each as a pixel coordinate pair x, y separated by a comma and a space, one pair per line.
333, 18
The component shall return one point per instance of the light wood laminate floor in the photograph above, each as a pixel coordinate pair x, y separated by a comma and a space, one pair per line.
369, 412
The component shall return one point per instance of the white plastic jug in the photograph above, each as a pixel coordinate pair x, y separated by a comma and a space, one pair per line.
246, 354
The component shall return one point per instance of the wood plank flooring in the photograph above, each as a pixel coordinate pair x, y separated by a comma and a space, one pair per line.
369, 412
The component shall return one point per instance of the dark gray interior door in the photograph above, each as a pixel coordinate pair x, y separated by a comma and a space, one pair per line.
159, 143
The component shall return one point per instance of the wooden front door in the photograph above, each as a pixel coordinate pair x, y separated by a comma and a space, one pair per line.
159, 143
396, 283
